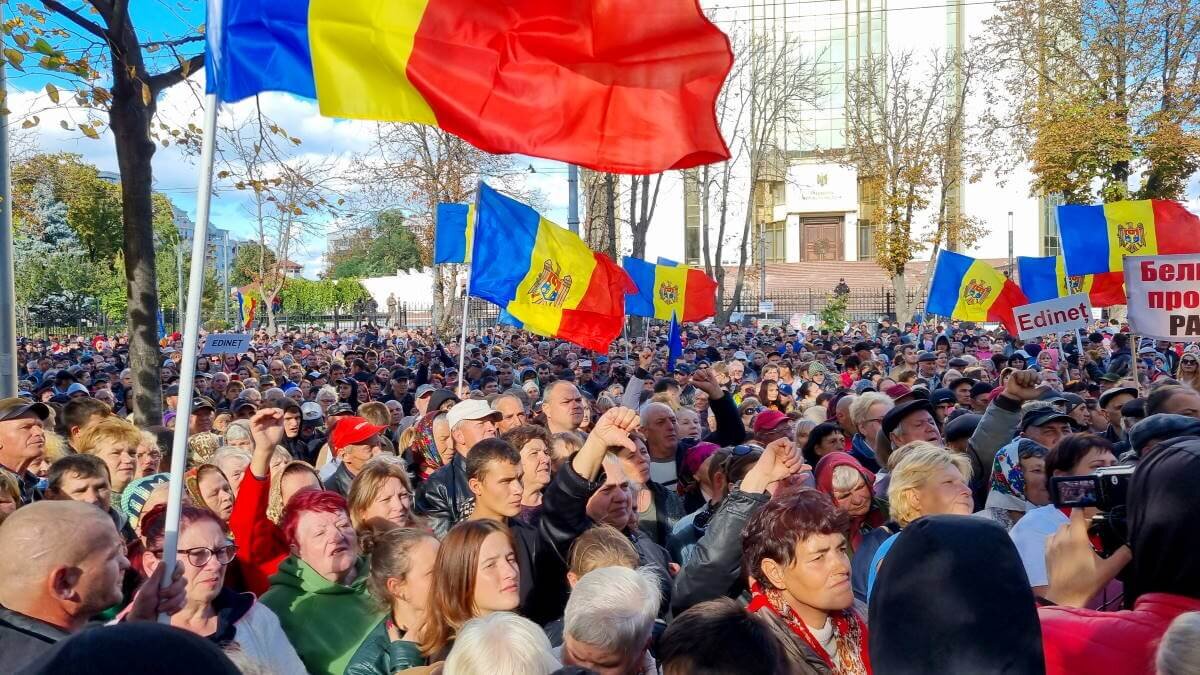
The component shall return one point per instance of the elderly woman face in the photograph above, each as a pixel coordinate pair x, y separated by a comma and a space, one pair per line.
217, 494
326, 542
393, 504
204, 555
945, 492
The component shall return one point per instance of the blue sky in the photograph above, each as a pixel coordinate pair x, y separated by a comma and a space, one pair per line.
176, 173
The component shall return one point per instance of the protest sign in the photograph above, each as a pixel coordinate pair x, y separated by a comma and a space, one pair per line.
1163, 293
1059, 315
226, 343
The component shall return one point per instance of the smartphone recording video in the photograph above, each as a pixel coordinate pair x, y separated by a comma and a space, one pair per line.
1075, 491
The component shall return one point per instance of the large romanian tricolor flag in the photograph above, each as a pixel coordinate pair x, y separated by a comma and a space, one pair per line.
1096, 238
669, 290
1046, 278
544, 275
614, 85
972, 290
453, 230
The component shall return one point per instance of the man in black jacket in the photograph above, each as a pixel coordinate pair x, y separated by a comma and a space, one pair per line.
445, 498
65, 564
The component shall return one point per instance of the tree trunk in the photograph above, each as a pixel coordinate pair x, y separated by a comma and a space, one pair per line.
130, 121
903, 311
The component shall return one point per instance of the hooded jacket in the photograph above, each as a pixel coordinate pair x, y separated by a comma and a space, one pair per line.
1162, 581
325, 621
933, 612
876, 516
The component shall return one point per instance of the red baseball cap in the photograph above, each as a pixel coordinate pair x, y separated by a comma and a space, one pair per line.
351, 430
768, 419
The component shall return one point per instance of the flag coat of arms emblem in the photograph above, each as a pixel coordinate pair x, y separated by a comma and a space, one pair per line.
550, 287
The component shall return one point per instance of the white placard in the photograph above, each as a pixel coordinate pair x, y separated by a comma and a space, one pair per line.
1163, 294
225, 343
766, 307
1060, 315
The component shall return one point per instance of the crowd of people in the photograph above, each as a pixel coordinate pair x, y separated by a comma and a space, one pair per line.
882, 499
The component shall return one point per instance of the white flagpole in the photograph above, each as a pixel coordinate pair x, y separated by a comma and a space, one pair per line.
191, 335
462, 337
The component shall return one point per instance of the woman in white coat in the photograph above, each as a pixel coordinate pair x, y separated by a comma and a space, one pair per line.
237, 622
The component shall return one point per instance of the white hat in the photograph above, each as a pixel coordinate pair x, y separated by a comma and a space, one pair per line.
471, 409
311, 412
740, 356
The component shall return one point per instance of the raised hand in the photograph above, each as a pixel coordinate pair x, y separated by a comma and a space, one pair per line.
614, 426
780, 460
1023, 385
266, 428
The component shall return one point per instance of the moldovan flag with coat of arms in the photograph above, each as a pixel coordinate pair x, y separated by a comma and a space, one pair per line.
972, 290
624, 86
1096, 238
665, 291
1046, 278
544, 275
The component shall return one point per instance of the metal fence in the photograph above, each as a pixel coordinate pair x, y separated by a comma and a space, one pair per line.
781, 305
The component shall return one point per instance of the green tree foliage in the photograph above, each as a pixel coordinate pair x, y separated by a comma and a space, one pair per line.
835, 315
380, 250
305, 297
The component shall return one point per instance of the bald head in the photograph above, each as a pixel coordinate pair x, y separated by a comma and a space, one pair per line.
563, 405
48, 533
71, 564
842, 413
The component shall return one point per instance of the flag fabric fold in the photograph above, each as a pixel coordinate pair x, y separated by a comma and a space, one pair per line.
674, 344
972, 290
544, 276
1095, 238
247, 299
669, 290
452, 233
620, 85
1046, 278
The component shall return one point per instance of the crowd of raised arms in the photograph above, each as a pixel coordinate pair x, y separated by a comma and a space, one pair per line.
884, 499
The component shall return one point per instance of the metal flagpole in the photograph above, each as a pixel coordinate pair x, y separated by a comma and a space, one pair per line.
8, 298
191, 339
462, 338
1133, 363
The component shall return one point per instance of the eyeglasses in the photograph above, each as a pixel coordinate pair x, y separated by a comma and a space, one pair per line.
199, 556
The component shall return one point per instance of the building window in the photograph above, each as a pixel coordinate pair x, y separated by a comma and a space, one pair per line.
866, 239
775, 241
691, 218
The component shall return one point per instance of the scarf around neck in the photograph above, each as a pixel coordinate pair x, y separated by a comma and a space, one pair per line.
850, 655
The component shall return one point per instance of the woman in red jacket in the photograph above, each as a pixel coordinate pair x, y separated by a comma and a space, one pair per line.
1162, 582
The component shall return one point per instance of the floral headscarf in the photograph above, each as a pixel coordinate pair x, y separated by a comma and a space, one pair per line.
424, 448
1008, 479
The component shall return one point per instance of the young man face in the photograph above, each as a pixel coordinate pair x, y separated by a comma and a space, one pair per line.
88, 489
498, 489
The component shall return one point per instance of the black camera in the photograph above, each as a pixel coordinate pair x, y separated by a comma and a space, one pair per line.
1105, 490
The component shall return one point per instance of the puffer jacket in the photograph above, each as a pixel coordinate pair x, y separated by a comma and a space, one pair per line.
445, 497
1087, 641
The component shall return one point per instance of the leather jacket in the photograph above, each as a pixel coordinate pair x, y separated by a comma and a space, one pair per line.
445, 497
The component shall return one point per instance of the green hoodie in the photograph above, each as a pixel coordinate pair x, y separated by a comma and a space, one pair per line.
325, 621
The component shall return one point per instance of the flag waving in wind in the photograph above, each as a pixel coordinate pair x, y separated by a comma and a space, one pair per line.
1096, 238
972, 290
545, 276
1046, 278
453, 230
621, 85
669, 290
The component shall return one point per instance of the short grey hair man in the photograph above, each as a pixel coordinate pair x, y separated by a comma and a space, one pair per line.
609, 618
501, 643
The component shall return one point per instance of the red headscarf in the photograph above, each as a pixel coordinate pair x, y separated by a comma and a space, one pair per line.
824, 476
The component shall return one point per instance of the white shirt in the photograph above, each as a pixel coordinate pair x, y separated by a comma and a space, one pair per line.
1030, 535
663, 473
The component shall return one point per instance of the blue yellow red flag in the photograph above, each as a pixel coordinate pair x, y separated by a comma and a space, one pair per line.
1046, 278
1095, 238
545, 276
621, 85
452, 233
247, 297
972, 290
664, 291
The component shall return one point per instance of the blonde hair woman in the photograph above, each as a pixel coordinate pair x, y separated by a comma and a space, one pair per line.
1188, 370
380, 498
115, 441
926, 480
